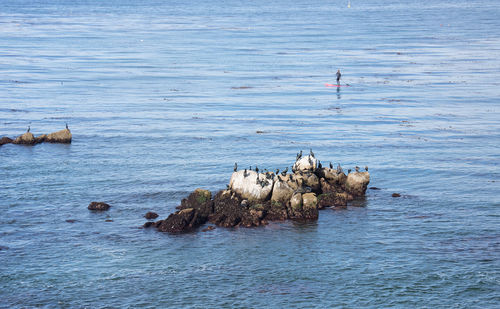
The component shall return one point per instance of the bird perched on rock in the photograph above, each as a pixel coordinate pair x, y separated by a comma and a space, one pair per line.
339, 169
28, 129
67, 126
300, 154
320, 166
357, 169
245, 174
311, 152
235, 167
277, 171
348, 171
366, 168
256, 169
331, 165
285, 171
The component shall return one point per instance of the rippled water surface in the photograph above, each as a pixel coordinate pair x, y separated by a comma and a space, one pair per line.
163, 97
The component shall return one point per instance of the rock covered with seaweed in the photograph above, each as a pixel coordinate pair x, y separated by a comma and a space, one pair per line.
254, 197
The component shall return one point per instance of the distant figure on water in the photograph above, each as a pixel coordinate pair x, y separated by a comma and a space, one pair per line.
338, 77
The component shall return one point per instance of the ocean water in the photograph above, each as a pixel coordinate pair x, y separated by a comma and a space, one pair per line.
162, 97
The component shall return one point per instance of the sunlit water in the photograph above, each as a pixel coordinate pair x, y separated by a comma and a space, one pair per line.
163, 97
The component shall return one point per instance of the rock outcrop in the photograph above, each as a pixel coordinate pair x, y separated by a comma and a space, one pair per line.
254, 199
64, 136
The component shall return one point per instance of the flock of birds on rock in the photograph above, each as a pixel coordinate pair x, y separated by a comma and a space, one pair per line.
270, 175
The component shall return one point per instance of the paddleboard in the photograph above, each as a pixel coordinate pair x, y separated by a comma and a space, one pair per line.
335, 85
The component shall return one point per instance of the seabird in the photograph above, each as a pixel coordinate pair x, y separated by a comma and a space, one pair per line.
235, 164
357, 169
67, 126
331, 165
348, 171
311, 152
366, 168
300, 154
285, 170
319, 165
28, 129
339, 169
256, 169
245, 173
277, 171
339, 74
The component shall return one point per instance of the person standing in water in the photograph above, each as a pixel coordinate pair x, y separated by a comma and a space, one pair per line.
338, 77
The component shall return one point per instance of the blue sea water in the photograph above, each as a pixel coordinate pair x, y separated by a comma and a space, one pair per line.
162, 97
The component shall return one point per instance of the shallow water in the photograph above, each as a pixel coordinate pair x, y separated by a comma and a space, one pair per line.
164, 97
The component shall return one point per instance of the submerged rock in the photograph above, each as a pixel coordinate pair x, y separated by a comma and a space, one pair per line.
5, 140
26, 139
64, 136
98, 206
151, 215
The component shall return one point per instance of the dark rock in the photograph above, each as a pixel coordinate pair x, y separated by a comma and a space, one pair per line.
228, 211
99, 206
374, 188
40, 139
151, 215
71, 220
179, 221
208, 228
333, 199
276, 211
5, 140
396, 195
109, 220
193, 212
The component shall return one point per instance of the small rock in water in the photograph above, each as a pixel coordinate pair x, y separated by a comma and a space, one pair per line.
151, 215
396, 195
374, 188
208, 228
109, 220
99, 206
71, 220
